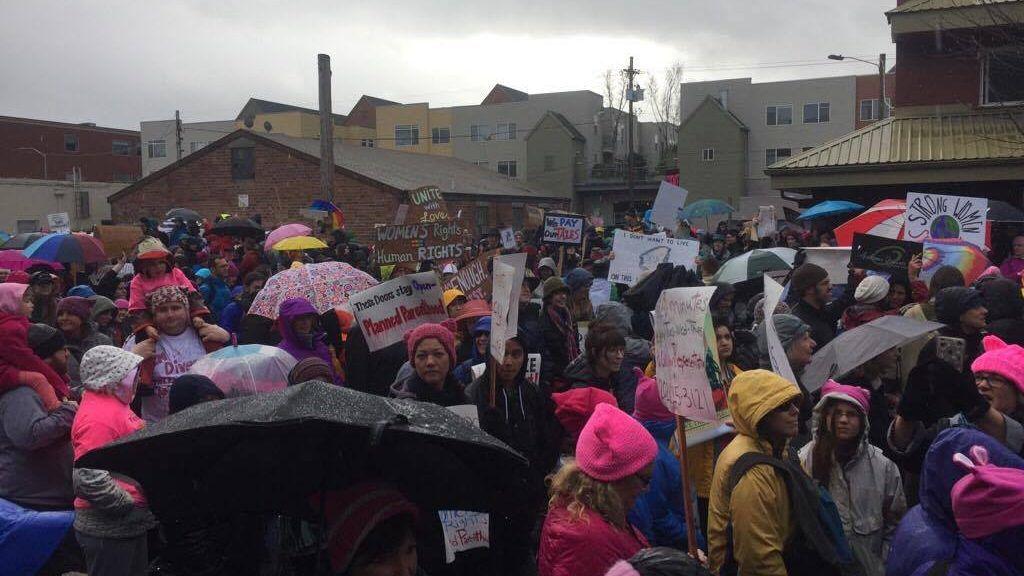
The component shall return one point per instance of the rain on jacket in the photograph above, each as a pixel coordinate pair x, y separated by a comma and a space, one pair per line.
584, 547
868, 492
758, 508
291, 343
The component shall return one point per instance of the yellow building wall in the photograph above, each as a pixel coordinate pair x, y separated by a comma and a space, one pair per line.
293, 123
354, 135
390, 116
440, 118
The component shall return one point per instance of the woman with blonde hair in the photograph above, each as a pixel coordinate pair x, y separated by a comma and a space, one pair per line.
586, 530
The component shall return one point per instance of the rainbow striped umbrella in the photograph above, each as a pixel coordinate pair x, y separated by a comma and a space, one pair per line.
66, 248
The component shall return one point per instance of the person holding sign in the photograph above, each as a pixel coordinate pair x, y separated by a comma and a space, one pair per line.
431, 349
586, 530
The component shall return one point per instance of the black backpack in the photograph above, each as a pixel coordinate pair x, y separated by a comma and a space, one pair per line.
818, 546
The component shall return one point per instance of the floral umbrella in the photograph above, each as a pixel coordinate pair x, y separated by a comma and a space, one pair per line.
325, 285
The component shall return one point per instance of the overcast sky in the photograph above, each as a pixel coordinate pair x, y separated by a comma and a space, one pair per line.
119, 63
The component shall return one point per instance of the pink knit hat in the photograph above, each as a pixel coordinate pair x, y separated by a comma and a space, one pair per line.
845, 392
444, 332
121, 304
575, 406
648, 406
613, 446
1006, 360
989, 499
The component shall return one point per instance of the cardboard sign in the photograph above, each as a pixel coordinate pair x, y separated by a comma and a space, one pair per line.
533, 368
882, 254
427, 205
473, 279
962, 255
777, 354
463, 531
508, 238
387, 311
636, 254
563, 228
501, 298
414, 243
534, 217
687, 352
939, 216
59, 222
670, 199
833, 260
118, 239
767, 221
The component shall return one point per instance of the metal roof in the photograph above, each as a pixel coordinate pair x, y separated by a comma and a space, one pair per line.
903, 141
923, 5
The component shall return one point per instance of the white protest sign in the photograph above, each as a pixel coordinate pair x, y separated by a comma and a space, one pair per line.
600, 292
834, 260
501, 298
468, 411
939, 216
533, 368
636, 254
59, 222
777, 354
387, 311
685, 347
563, 229
463, 531
508, 238
670, 199
766, 221
243, 200
518, 262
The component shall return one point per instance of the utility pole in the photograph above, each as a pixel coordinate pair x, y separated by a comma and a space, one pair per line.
881, 86
177, 133
631, 96
326, 128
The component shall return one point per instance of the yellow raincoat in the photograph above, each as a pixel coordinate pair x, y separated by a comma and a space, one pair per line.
758, 507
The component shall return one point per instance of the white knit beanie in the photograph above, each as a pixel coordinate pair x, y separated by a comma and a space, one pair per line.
871, 289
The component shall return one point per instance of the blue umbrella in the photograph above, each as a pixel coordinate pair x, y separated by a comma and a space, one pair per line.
4, 236
830, 208
705, 209
62, 247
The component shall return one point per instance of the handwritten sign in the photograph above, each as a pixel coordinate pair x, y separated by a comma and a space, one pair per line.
563, 229
687, 354
508, 238
427, 205
882, 254
767, 221
776, 353
533, 368
387, 311
463, 531
667, 203
59, 222
636, 254
414, 243
833, 259
939, 216
500, 303
473, 279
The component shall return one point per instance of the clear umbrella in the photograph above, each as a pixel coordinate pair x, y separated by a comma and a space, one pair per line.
246, 369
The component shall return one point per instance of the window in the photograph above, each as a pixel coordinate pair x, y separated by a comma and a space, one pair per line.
157, 148
506, 131
779, 115
549, 163
479, 132
483, 217
707, 155
816, 113
407, 135
440, 135
120, 147
366, 143
242, 165
24, 226
1001, 82
71, 143
123, 177
197, 145
507, 168
869, 109
773, 155
82, 204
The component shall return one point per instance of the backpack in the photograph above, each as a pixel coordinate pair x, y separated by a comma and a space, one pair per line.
818, 546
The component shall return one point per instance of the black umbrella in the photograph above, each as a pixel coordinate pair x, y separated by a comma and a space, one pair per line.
238, 226
269, 452
185, 214
21, 241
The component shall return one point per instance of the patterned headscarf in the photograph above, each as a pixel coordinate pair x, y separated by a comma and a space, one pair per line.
164, 295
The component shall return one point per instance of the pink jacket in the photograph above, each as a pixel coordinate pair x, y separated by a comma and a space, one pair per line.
141, 286
101, 419
587, 546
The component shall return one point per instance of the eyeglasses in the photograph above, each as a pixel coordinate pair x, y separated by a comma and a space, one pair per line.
794, 403
990, 379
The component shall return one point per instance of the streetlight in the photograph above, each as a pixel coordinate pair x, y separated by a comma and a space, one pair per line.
881, 77
41, 154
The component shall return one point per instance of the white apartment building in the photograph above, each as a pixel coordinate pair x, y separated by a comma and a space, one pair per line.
159, 140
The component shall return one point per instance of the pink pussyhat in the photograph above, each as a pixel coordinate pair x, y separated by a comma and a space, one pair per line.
989, 499
857, 394
613, 445
1006, 360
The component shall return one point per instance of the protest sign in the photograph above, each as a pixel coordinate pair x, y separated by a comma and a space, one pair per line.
665, 211
387, 311
518, 263
563, 228
501, 298
59, 222
600, 292
833, 260
426, 205
508, 238
464, 530
413, 243
767, 221
473, 279
701, 432
533, 368
964, 256
940, 216
118, 239
534, 217
776, 353
636, 254
882, 254
686, 350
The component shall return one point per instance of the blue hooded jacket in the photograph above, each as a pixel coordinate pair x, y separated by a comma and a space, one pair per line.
928, 531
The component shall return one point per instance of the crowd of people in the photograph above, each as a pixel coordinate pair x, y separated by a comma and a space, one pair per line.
909, 464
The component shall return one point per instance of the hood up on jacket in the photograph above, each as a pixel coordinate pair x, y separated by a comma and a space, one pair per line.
753, 395
819, 413
10, 298
638, 351
301, 347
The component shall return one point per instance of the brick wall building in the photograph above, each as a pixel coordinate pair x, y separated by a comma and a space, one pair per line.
279, 176
44, 150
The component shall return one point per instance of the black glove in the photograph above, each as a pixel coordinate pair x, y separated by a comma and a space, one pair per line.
965, 397
914, 403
